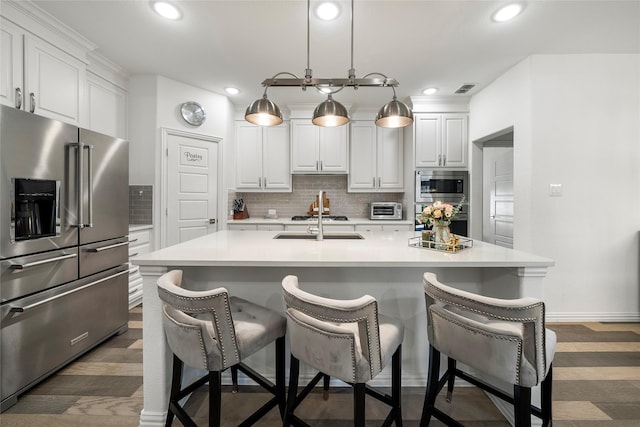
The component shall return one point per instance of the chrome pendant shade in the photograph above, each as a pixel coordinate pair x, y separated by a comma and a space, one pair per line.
263, 112
394, 114
330, 113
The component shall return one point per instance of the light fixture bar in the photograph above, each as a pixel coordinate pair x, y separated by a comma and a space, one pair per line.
315, 82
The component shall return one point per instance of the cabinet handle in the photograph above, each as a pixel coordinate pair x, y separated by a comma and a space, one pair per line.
32, 97
264, 180
439, 160
317, 165
378, 182
18, 98
260, 182
374, 181
444, 160
321, 165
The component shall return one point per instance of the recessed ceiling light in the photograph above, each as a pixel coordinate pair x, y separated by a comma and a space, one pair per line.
327, 11
508, 12
430, 90
231, 90
167, 10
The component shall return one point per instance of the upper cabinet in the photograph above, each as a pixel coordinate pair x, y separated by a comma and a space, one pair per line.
262, 158
40, 78
441, 140
319, 150
106, 98
376, 159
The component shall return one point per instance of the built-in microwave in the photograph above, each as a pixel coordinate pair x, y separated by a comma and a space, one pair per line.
433, 184
445, 186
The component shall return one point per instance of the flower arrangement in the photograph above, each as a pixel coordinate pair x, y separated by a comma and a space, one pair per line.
440, 213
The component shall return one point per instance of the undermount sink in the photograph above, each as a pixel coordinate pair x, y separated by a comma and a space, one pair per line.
327, 236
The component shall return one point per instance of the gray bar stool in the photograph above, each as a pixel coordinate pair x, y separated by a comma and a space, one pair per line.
345, 339
503, 342
211, 331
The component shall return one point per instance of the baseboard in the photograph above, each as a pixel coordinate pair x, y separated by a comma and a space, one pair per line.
593, 317
152, 419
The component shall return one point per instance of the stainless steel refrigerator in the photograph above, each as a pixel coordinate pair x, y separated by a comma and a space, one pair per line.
64, 206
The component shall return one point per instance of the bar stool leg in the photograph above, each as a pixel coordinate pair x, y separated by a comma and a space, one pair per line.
432, 386
358, 404
522, 406
234, 379
294, 371
176, 380
396, 388
451, 368
546, 400
215, 398
280, 374
325, 386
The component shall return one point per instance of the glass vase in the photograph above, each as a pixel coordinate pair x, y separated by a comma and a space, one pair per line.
441, 236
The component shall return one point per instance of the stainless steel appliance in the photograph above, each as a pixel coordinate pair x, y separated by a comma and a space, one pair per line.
385, 210
448, 187
63, 245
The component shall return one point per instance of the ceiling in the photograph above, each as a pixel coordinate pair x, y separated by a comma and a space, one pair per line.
420, 43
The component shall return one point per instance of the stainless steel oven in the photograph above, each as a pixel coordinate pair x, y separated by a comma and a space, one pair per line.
447, 186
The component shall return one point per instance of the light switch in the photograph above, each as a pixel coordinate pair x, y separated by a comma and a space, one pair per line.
555, 190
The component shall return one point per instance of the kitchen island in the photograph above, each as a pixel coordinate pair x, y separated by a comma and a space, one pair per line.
252, 265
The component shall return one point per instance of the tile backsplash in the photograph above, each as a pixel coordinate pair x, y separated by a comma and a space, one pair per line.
140, 204
305, 190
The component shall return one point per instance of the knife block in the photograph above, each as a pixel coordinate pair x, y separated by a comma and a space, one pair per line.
242, 214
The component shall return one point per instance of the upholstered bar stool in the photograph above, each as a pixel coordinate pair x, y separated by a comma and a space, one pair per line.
345, 339
212, 331
504, 342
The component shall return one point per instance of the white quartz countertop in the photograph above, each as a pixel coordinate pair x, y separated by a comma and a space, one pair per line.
377, 249
289, 221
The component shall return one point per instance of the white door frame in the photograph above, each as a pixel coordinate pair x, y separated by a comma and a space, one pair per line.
164, 175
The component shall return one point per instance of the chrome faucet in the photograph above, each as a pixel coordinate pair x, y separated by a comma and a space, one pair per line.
318, 230
320, 235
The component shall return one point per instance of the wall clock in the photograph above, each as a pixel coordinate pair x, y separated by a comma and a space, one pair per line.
193, 113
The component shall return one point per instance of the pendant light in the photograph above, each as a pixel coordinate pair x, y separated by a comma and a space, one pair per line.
330, 112
394, 114
263, 112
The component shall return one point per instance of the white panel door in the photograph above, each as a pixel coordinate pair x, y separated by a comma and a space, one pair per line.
362, 170
390, 159
192, 186
498, 196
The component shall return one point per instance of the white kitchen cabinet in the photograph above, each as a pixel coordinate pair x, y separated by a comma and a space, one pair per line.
262, 158
140, 241
242, 227
376, 158
320, 150
271, 227
40, 78
325, 227
106, 107
441, 140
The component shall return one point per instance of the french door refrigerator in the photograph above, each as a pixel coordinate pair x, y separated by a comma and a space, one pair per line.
64, 209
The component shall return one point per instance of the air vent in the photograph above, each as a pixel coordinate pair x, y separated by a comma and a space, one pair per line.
465, 88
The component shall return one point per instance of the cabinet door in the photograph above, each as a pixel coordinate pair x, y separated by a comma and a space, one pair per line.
333, 149
390, 151
454, 140
276, 158
428, 139
54, 81
304, 146
362, 159
248, 156
11, 55
107, 105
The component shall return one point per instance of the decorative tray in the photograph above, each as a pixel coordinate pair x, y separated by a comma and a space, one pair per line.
457, 243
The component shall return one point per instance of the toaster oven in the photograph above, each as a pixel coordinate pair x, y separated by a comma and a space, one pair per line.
385, 210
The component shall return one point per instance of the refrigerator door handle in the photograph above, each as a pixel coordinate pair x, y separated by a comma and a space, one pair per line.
89, 149
104, 248
41, 262
53, 298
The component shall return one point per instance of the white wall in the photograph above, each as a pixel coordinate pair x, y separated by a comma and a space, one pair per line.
155, 104
576, 122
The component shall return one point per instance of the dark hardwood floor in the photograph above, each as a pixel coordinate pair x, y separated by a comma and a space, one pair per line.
596, 384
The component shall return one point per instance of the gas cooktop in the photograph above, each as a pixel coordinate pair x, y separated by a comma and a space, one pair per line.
328, 217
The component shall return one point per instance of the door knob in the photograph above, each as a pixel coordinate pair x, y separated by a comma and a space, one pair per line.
212, 221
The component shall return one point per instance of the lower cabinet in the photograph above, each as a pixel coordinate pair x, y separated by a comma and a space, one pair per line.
384, 227
139, 244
